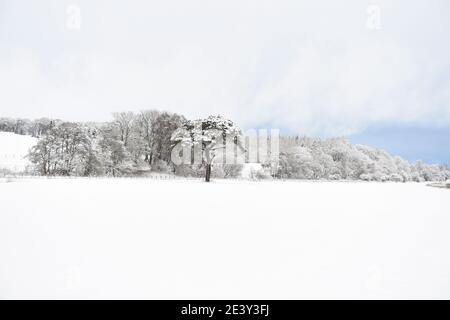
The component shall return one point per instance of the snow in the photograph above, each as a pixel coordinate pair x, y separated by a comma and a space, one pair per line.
13, 149
186, 239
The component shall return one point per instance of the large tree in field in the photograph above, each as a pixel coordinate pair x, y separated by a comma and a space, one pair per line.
213, 135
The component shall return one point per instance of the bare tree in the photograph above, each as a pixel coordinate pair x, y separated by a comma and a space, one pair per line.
124, 121
147, 123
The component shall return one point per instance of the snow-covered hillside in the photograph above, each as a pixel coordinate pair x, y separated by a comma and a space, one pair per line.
13, 149
144, 238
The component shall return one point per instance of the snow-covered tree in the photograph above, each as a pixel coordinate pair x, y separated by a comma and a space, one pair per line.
146, 126
165, 125
115, 158
124, 122
310, 158
65, 150
211, 136
152, 132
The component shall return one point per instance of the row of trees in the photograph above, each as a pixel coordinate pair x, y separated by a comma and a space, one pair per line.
335, 159
135, 143
35, 128
132, 144
129, 144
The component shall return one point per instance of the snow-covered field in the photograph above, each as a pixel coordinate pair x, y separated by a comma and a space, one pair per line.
145, 238
13, 149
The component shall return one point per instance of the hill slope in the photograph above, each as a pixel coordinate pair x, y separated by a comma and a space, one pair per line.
13, 149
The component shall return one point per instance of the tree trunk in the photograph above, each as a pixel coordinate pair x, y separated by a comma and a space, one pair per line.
208, 172
208, 163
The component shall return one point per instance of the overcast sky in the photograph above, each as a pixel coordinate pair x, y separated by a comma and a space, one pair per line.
309, 67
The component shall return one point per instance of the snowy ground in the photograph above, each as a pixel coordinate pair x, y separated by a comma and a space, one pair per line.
145, 238
13, 149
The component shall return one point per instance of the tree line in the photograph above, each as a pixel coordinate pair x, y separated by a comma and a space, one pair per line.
35, 128
138, 143
337, 159
129, 144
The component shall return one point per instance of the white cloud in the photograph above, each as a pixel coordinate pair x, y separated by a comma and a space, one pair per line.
309, 67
